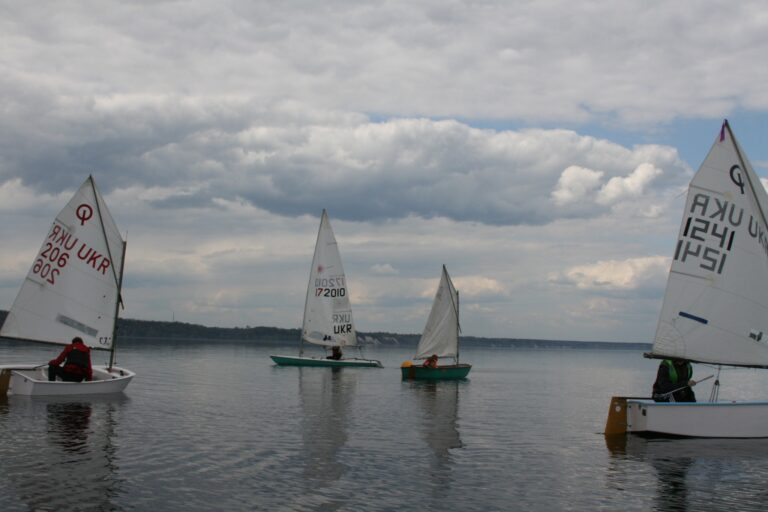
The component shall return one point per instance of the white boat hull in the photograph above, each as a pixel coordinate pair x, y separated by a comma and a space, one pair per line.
30, 380
705, 419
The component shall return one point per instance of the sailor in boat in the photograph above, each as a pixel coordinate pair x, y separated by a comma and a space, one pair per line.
674, 382
430, 362
77, 363
335, 353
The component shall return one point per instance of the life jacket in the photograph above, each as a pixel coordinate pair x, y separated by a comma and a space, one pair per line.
673, 377
77, 357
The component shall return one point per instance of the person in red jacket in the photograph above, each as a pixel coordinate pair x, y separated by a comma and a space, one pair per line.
77, 363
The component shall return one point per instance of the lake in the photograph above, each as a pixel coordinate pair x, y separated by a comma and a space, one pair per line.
218, 427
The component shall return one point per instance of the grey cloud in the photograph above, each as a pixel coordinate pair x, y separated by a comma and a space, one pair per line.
629, 62
293, 162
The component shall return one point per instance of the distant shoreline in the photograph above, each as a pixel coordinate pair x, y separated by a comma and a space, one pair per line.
131, 330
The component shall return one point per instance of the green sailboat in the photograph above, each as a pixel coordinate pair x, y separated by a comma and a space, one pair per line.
440, 338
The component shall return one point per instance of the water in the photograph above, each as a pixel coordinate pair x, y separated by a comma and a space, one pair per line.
218, 427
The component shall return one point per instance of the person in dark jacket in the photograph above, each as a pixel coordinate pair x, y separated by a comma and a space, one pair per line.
335, 353
674, 374
77, 363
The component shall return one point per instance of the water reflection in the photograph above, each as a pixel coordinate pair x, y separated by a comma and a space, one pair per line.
66, 461
326, 395
689, 470
439, 404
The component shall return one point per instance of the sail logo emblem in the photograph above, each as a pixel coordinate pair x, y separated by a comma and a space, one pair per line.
84, 213
737, 178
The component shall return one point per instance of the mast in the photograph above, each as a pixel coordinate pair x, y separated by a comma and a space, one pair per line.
458, 327
97, 196
118, 303
737, 146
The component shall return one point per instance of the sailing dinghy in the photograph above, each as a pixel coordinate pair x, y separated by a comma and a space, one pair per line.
327, 310
715, 308
440, 337
72, 289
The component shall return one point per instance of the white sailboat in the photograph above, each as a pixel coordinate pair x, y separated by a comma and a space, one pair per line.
72, 289
715, 307
327, 310
440, 337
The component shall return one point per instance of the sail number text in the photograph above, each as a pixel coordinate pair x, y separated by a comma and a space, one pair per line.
57, 251
50, 263
330, 287
710, 230
330, 292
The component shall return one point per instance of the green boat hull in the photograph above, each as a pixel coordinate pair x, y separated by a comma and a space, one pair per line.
319, 361
448, 372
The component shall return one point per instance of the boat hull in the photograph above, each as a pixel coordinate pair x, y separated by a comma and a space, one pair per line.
319, 361
447, 372
30, 380
734, 420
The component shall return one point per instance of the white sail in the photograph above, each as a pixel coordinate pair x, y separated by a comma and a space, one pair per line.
441, 334
716, 303
73, 286
327, 311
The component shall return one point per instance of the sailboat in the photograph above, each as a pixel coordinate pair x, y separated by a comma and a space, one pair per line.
440, 337
72, 289
327, 310
715, 308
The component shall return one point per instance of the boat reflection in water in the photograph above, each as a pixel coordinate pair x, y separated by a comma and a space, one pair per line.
688, 471
66, 462
439, 405
326, 395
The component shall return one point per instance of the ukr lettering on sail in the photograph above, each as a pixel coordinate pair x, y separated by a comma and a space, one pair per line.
710, 229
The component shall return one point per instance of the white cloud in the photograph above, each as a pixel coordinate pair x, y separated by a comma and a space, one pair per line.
632, 186
613, 275
384, 269
576, 184
474, 287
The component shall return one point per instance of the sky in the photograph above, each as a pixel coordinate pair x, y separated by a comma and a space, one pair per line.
539, 149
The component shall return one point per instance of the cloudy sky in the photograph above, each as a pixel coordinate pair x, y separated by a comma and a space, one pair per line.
539, 149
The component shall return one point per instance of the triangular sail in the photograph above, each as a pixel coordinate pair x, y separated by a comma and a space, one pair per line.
441, 334
72, 288
716, 303
327, 311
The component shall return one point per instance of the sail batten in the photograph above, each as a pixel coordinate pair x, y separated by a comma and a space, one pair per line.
715, 306
327, 310
71, 290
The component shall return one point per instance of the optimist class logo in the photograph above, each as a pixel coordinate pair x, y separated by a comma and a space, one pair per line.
84, 212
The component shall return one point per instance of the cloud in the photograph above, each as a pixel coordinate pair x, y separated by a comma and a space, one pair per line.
384, 269
399, 58
617, 275
294, 162
477, 287
576, 184
631, 186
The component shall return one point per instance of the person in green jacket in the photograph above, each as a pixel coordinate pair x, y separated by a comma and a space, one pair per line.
674, 382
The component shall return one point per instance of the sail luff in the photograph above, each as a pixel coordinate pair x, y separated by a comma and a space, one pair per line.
309, 283
750, 174
98, 202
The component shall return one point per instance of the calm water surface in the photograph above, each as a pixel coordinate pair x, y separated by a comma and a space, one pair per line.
218, 427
